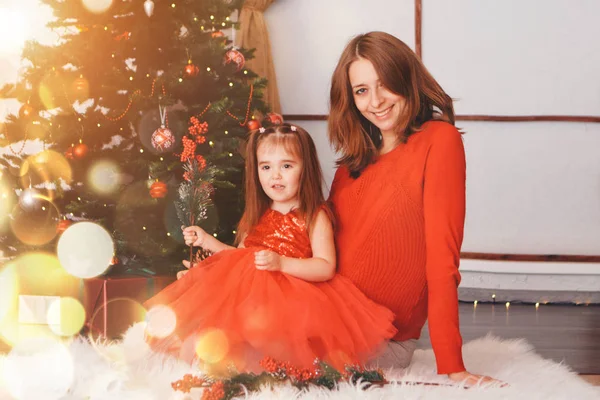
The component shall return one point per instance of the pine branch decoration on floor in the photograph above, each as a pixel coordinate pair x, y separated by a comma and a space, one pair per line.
275, 373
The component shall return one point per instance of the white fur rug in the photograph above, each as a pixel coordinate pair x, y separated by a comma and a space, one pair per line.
46, 370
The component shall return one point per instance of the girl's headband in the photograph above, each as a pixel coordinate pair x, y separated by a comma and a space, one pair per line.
262, 129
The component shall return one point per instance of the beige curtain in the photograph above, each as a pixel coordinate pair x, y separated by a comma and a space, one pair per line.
254, 34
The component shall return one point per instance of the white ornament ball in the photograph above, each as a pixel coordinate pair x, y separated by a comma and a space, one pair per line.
163, 139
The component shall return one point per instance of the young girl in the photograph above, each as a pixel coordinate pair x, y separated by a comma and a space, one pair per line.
277, 294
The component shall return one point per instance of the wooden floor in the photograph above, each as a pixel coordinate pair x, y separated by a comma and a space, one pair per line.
563, 333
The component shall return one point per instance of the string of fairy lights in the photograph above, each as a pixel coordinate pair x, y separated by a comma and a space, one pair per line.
537, 304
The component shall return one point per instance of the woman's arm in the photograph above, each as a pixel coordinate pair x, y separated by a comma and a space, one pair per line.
319, 268
444, 212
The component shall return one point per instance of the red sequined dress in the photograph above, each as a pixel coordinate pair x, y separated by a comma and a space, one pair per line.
263, 313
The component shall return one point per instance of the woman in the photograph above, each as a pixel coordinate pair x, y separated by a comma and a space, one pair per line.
399, 194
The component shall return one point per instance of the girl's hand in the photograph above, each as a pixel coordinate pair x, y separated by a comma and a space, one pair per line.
194, 236
267, 260
470, 379
186, 264
180, 274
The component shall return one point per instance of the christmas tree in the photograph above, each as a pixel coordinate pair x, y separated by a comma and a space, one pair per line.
129, 94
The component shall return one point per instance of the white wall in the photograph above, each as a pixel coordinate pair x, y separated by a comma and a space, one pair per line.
532, 187
308, 36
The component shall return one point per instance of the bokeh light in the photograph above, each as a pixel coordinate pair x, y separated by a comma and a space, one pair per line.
7, 200
70, 314
212, 346
85, 250
161, 321
97, 6
52, 93
33, 274
34, 219
46, 361
44, 167
104, 177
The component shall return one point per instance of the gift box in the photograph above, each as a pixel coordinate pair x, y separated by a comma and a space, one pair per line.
114, 303
34, 310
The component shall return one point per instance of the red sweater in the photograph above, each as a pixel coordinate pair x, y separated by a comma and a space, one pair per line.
399, 232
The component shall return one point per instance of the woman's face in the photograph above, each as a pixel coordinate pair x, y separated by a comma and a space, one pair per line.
374, 101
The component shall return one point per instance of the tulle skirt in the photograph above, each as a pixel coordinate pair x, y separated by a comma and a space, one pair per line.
227, 312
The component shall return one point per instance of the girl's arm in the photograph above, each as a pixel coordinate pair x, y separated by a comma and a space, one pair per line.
196, 236
319, 268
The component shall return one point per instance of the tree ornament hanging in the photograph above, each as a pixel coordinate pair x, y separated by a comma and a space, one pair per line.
191, 70
162, 138
253, 125
236, 57
158, 190
80, 151
62, 225
274, 118
69, 153
217, 34
26, 111
149, 7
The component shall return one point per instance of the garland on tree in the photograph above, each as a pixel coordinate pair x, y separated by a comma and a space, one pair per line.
276, 373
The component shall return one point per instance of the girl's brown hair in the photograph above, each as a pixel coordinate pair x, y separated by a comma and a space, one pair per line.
401, 72
310, 194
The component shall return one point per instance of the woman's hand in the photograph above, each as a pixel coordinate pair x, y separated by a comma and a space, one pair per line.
267, 260
470, 379
194, 236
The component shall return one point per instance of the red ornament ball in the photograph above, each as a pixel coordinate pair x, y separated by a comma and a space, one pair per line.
158, 190
253, 125
274, 118
62, 226
163, 139
217, 34
191, 70
26, 111
80, 150
236, 57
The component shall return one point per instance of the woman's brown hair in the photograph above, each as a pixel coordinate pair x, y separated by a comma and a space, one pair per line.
402, 73
310, 194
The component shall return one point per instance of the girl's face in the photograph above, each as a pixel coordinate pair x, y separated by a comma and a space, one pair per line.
279, 174
374, 101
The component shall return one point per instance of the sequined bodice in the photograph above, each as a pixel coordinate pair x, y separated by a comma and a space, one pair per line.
285, 234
